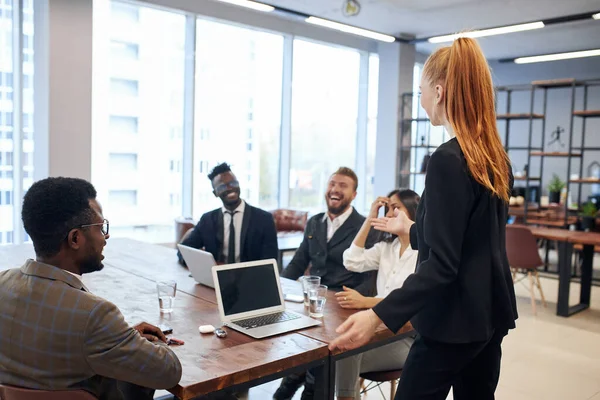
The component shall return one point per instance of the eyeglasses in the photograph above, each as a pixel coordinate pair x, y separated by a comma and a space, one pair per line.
224, 186
105, 226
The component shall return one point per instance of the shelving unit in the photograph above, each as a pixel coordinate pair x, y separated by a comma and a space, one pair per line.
584, 114
412, 129
411, 149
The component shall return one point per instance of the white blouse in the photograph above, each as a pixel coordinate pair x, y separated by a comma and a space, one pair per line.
384, 256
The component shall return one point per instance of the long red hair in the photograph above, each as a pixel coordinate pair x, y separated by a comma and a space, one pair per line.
469, 105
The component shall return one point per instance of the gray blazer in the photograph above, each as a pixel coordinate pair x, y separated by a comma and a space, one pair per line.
54, 334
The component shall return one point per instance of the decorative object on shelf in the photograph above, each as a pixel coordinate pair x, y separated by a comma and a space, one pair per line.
555, 137
574, 177
525, 169
423, 141
426, 158
517, 201
544, 201
555, 186
593, 172
351, 8
588, 216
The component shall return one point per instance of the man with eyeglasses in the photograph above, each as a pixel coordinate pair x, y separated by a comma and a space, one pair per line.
235, 232
56, 335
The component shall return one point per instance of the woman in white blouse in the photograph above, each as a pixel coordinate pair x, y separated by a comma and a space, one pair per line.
395, 260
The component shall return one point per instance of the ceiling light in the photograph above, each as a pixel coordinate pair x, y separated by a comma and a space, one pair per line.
250, 4
596, 16
350, 29
488, 32
558, 56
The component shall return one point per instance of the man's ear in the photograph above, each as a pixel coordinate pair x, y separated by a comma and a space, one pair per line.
74, 239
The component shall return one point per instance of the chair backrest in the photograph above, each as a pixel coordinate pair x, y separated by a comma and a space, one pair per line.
522, 248
17, 393
182, 226
290, 220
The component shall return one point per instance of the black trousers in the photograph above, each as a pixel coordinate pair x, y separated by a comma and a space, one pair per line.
432, 368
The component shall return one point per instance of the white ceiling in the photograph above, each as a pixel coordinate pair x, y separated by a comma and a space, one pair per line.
424, 18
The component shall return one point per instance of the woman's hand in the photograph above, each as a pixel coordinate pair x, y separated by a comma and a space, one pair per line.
377, 204
399, 225
356, 331
350, 298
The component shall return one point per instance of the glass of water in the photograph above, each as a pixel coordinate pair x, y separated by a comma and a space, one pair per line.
317, 296
307, 282
166, 291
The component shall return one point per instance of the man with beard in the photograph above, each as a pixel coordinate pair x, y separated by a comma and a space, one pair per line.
329, 234
56, 335
326, 237
236, 232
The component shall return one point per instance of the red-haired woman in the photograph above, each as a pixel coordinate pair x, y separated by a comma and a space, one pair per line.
461, 298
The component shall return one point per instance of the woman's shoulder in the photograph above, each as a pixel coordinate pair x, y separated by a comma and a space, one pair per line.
448, 154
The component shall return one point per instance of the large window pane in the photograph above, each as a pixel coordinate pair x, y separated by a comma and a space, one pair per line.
138, 118
372, 129
324, 119
237, 111
8, 112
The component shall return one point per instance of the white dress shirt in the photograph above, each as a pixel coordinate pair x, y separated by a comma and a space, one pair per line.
384, 256
334, 225
238, 217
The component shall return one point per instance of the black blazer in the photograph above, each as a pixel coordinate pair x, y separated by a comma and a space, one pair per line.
462, 290
326, 258
258, 239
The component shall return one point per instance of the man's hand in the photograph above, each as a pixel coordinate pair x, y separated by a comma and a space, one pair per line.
350, 298
356, 331
150, 332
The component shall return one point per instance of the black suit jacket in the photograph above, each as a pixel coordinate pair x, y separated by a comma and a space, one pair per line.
462, 290
258, 239
326, 257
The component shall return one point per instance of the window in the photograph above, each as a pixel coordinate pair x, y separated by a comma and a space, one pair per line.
123, 162
11, 174
324, 119
123, 125
124, 13
133, 172
124, 87
122, 198
238, 88
124, 51
373, 93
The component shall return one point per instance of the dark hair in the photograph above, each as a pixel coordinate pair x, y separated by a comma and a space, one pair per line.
54, 206
410, 201
349, 173
218, 170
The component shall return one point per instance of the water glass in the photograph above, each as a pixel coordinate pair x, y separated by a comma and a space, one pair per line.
166, 291
307, 282
317, 297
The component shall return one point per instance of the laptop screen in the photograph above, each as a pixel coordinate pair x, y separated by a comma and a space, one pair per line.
248, 289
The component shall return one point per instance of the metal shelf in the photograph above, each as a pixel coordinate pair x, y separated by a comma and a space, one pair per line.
524, 116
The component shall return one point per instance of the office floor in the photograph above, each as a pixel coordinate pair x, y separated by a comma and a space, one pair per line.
546, 358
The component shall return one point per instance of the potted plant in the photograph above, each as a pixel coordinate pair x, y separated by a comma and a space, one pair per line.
588, 216
554, 188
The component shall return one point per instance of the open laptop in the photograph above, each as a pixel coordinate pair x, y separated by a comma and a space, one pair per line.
251, 301
199, 263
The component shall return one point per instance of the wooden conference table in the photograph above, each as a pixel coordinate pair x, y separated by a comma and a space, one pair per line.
565, 240
211, 364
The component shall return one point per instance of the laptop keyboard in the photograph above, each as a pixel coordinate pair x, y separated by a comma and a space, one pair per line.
266, 320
